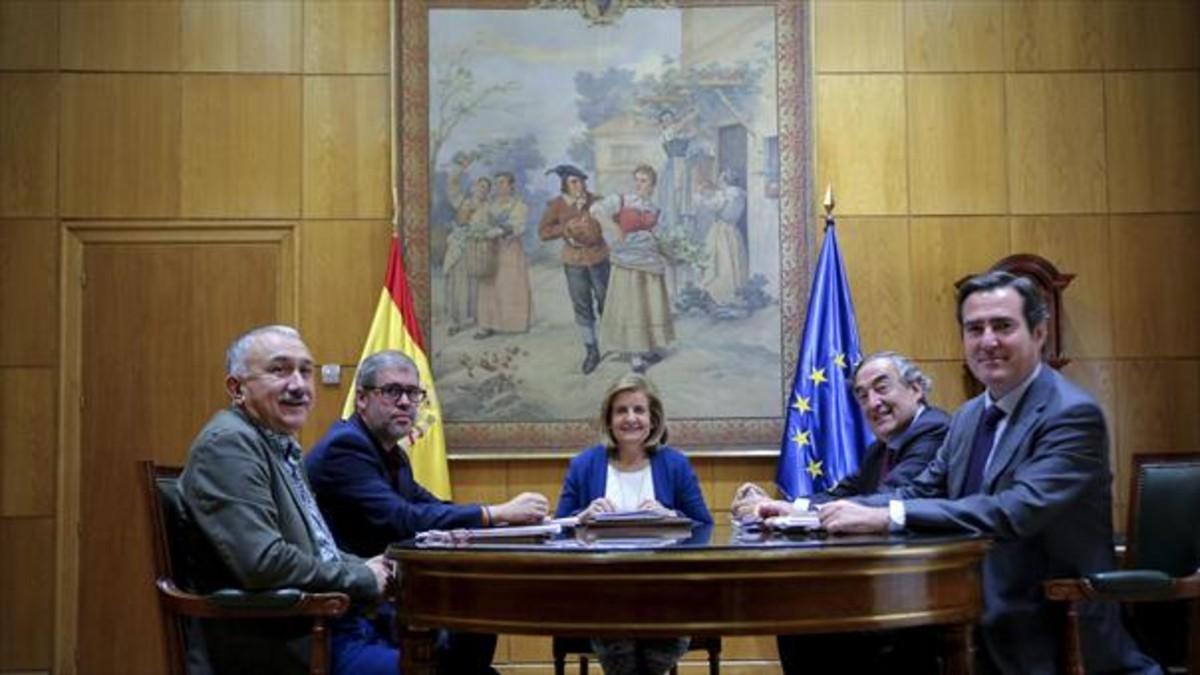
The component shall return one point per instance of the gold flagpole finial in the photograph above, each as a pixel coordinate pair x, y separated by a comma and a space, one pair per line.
829, 203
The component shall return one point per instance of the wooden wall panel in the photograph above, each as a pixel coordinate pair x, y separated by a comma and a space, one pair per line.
1158, 400
1059, 35
861, 140
28, 144
27, 586
330, 397
544, 476
479, 482
27, 442
241, 146
879, 264
28, 292
1056, 161
956, 144
127, 35
1077, 245
953, 35
346, 36
728, 473
1156, 34
1154, 136
120, 146
949, 382
28, 35
706, 475
1156, 310
346, 152
948, 249
242, 35
533, 649
344, 263
858, 36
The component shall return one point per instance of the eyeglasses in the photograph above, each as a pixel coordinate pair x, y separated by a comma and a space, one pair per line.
393, 392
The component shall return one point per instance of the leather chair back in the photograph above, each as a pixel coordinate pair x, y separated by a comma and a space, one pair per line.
1164, 527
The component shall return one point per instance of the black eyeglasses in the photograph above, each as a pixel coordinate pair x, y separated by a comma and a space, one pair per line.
393, 392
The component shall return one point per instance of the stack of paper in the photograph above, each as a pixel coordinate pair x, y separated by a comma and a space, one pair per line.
637, 518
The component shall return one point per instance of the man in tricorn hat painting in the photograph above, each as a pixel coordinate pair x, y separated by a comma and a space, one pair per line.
584, 254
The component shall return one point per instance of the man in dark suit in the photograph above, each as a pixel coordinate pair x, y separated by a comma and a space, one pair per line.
893, 395
1026, 462
244, 489
365, 487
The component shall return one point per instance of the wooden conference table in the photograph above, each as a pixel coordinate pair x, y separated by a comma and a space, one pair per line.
716, 581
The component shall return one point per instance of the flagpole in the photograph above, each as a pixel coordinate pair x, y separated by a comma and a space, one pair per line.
393, 19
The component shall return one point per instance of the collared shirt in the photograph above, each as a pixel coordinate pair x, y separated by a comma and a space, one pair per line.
290, 455
1007, 403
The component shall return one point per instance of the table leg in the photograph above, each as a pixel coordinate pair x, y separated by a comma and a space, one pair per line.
959, 659
417, 651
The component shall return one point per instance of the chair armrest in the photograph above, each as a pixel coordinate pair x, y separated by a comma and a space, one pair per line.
1121, 583
235, 604
1124, 586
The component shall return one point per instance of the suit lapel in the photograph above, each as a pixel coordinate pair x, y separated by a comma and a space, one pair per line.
1029, 410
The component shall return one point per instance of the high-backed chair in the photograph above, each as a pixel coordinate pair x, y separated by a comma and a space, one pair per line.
179, 551
1162, 563
562, 646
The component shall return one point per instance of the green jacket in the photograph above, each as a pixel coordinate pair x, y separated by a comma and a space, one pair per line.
236, 488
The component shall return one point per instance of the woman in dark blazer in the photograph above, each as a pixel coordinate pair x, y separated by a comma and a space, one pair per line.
632, 469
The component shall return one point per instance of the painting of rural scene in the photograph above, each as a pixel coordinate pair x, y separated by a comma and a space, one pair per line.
604, 198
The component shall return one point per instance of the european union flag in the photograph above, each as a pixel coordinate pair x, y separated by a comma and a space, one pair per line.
825, 432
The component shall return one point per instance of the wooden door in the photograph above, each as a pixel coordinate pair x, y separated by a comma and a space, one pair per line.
155, 319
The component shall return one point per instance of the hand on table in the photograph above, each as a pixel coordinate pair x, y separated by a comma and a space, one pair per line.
525, 508
847, 517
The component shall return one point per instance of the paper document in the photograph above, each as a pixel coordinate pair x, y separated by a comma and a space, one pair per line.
634, 518
802, 521
497, 534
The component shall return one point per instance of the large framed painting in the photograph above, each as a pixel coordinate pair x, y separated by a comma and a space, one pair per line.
593, 187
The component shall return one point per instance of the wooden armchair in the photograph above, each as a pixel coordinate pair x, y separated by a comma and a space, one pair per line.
1162, 562
562, 646
175, 556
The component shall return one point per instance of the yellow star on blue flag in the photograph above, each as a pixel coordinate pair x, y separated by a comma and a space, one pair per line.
801, 438
802, 404
818, 376
814, 468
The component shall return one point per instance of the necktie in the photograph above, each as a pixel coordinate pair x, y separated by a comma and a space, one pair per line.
981, 447
886, 468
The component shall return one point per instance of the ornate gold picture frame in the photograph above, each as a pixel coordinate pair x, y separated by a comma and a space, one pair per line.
703, 106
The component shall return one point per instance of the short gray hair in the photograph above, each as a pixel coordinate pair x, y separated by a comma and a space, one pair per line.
235, 356
910, 374
368, 370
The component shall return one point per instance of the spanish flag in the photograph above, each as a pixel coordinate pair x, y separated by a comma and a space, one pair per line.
395, 327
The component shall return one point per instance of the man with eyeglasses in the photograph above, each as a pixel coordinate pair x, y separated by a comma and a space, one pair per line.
365, 486
245, 492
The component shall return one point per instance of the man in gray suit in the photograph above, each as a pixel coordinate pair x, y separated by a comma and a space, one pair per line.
1026, 463
245, 490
